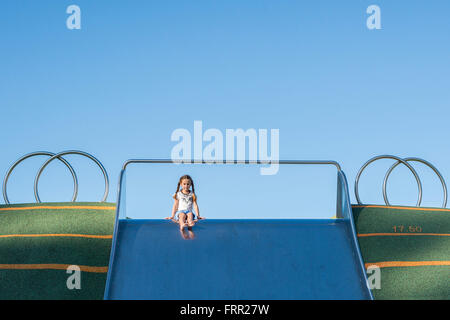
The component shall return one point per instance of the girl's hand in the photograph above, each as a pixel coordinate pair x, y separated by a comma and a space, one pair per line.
200, 218
172, 219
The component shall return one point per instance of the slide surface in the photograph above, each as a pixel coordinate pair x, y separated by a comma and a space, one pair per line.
236, 259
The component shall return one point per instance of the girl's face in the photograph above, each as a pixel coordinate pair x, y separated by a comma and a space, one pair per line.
186, 184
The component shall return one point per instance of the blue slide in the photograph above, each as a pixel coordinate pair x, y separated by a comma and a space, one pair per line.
238, 259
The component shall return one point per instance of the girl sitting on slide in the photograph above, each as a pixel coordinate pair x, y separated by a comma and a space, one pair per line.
185, 199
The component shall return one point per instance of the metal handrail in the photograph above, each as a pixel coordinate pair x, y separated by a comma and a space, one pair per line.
39, 153
436, 171
77, 152
194, 161
405, 162
282, 162
54, 156
419, 183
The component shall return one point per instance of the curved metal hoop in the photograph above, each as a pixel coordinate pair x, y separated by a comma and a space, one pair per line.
419, 183
81, 153
444, 186
39, 153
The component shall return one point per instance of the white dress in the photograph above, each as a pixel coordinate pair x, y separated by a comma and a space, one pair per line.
185, 201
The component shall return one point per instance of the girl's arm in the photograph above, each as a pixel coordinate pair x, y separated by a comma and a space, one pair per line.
174, 209
196, 208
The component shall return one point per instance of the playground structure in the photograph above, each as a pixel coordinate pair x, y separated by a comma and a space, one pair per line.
238, 259
265, 258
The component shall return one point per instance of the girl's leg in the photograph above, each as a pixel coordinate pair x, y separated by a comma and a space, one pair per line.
182, 219
190, 219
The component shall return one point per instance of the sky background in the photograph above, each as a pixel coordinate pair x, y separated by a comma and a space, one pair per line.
138, 70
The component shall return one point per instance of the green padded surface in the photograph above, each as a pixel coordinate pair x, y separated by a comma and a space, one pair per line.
39, 241
410, 245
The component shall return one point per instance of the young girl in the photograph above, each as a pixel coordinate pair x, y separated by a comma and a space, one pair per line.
185, 199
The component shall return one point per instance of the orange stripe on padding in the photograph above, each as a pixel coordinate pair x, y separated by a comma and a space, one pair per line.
401, 208
57, 208
52, 266
390, 264
58, 235
402, 234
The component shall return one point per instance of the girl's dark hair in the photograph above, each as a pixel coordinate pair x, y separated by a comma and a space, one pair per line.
179, 183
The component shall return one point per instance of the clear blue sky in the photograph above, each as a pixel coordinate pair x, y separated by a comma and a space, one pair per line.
137, 70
